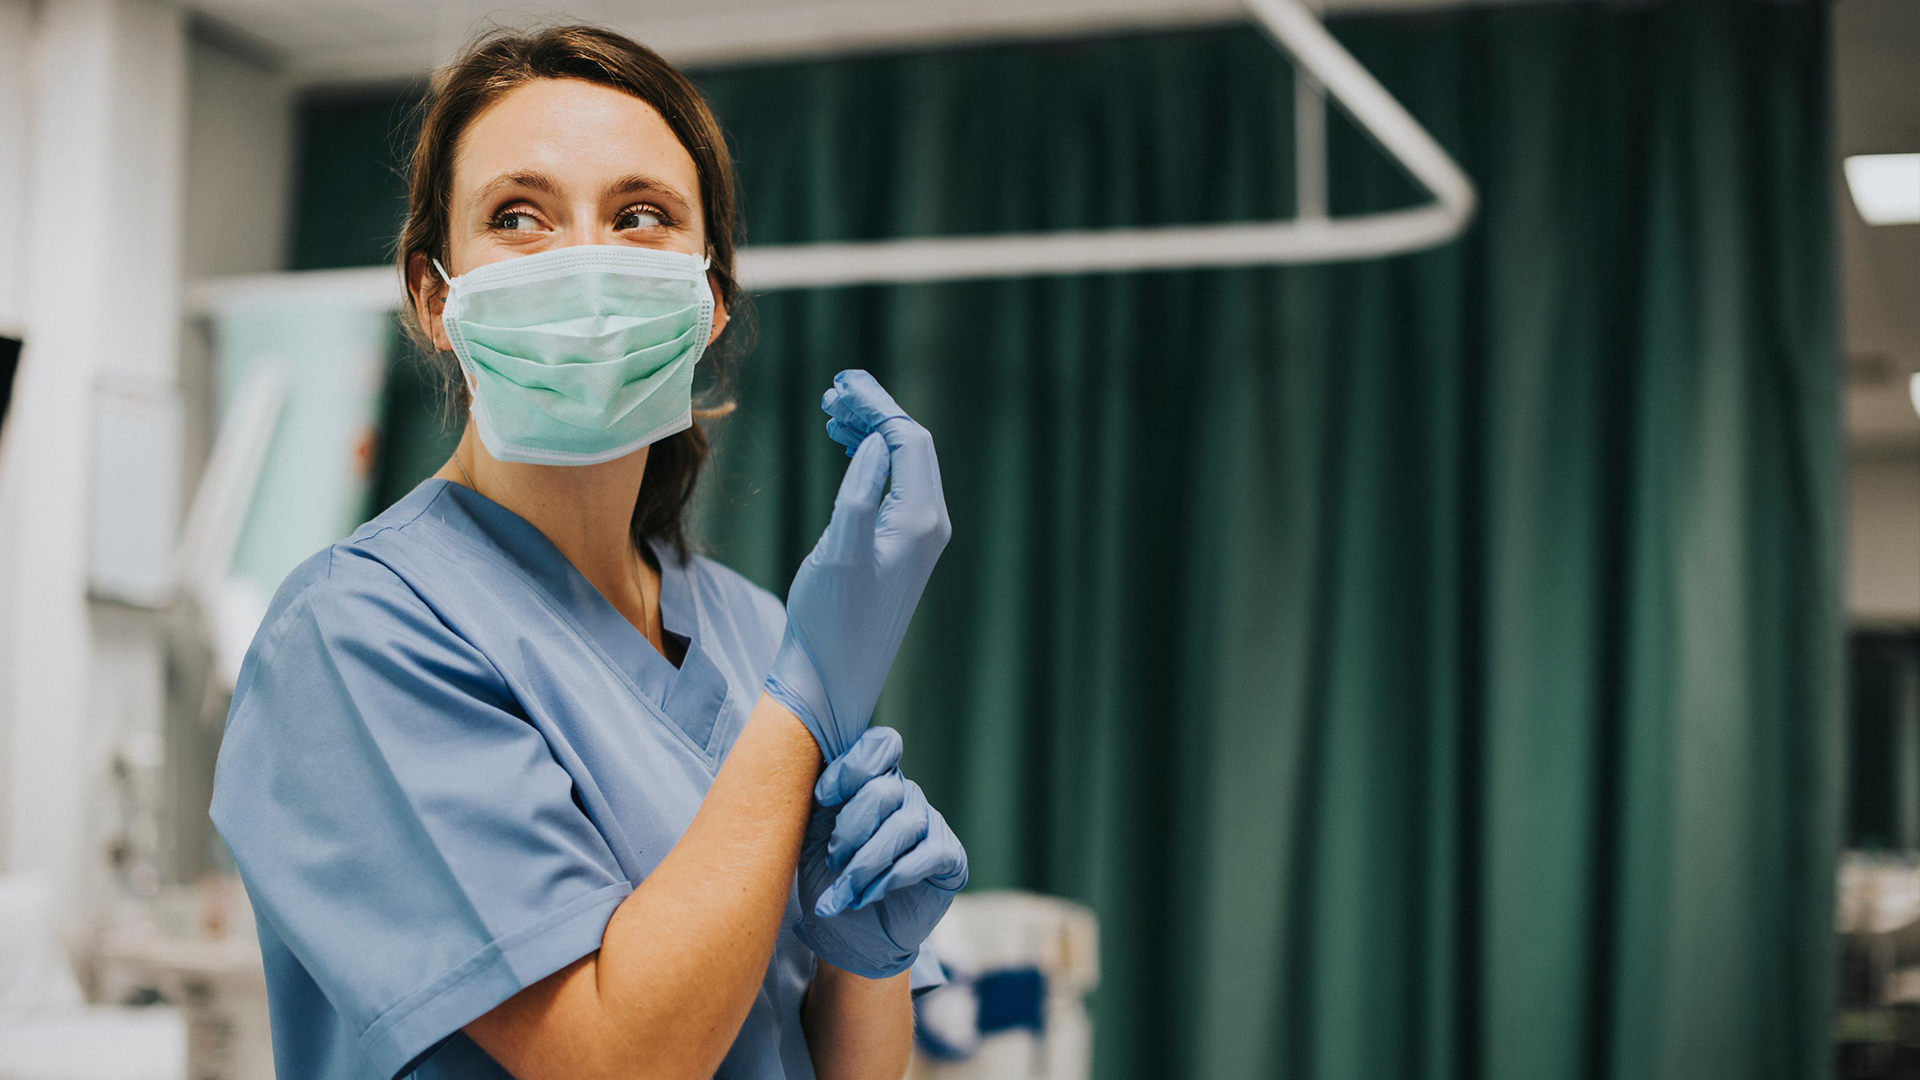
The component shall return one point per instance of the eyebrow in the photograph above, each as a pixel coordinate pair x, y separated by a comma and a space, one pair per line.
535, 181
636, 183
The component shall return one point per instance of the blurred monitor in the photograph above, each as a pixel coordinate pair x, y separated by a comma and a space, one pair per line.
9, 361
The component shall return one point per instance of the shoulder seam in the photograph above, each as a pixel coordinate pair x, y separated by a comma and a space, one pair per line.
394, 526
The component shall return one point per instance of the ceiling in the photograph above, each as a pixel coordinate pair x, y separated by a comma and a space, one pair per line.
357, 40
1876, 46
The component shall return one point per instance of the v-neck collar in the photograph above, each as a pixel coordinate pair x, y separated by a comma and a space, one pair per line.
691, 695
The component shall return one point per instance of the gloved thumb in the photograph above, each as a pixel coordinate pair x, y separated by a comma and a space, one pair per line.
875, 753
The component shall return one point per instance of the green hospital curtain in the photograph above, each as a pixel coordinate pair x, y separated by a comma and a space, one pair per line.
1426, 667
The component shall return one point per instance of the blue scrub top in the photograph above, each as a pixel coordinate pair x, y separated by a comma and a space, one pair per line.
449, 759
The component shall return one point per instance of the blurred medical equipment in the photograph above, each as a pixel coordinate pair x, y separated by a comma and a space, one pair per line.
205, 620
135, 491
46, 1032
1020, 966
9, 363
227, 612
298, 395
196, 949
312, 486
1878, 917
1323, 68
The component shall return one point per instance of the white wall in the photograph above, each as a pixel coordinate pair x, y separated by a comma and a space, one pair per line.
131, 155
16, 36
99, 256
239, 163
238, 202
16, 28
237, 214
1883, 539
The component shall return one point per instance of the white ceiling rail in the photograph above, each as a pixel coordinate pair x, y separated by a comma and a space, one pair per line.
1312, 236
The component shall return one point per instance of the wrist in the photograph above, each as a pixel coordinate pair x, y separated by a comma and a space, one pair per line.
779, 723
835, 979
798, 685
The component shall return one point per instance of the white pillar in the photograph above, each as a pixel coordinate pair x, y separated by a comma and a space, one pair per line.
16, 36
102, 272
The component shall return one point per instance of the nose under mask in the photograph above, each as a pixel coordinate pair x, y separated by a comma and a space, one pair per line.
580, 354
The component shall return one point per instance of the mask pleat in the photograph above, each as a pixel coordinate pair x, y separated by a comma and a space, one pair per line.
580, 351
587, 339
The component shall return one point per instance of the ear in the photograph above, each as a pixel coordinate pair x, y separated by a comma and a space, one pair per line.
719, 309
428, 294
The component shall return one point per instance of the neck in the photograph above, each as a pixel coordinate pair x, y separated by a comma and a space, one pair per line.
585, 510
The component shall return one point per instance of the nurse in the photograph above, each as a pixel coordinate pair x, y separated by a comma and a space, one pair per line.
517, 785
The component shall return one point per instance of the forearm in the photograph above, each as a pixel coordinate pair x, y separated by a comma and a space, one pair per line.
688, 950
858, 1028
684, 955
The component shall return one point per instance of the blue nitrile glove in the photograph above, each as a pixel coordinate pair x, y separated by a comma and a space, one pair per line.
856, 407
879, 866
851, 599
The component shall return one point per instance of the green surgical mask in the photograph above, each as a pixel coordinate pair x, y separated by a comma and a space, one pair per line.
580, 354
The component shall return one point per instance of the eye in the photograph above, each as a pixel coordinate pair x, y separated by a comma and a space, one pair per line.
640, 216
515, 219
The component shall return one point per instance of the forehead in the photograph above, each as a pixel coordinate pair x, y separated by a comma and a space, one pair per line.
577, 132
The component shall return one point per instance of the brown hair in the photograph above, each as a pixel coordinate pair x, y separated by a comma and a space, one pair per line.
503, 60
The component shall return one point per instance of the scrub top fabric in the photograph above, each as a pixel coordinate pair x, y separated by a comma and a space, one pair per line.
449, 760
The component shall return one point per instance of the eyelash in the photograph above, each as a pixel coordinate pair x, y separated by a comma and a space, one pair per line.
517, 209
646, 208
498, 220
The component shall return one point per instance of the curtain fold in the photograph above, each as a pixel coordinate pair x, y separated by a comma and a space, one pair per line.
1426, 667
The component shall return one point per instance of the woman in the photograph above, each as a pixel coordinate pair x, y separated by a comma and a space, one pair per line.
518, 786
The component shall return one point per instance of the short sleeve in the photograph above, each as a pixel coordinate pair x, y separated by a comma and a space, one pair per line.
927, 973
405, 832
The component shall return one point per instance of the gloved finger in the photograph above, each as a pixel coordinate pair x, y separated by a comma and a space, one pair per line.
941, 865
917, 504
832, 404
875, 753
850, 532
835, 405
862, 817
841, 415
899, 834
858, 400
846, 435
819, 829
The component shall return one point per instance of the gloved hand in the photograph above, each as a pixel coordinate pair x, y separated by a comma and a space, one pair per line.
851, 599
879, 866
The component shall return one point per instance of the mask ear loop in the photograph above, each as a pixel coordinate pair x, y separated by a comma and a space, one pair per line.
706, 265
473, 389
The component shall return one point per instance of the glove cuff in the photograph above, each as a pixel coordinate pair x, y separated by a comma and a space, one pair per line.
795, 683
867, 967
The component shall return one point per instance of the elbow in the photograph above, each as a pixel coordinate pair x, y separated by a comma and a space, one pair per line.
666, 1046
